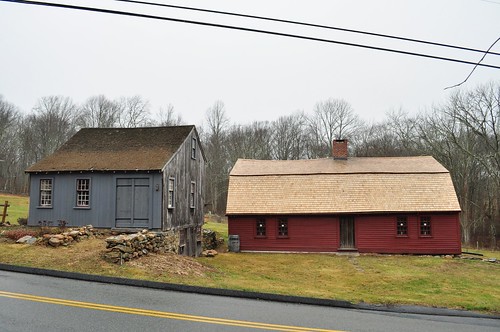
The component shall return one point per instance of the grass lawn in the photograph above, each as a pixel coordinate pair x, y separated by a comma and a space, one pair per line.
387, 279
18, 208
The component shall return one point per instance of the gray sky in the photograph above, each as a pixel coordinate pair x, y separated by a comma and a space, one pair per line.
51, 51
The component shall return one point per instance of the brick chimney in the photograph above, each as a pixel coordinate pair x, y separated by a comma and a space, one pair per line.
339, 149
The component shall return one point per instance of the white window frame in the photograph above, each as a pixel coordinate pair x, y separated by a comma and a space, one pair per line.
46, 194
171, 193
83, 193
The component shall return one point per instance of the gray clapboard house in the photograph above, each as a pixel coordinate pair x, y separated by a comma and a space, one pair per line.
124, 178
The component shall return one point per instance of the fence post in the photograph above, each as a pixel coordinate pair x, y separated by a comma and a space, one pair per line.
4, 214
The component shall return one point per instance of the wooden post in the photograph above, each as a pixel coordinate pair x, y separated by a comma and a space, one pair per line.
4, 214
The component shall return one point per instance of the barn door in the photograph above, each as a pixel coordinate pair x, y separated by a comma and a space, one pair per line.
347, 233
133, 200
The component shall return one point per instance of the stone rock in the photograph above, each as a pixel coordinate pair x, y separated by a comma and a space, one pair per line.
55, 242
209, 253
123, 248
27, 239
492, 260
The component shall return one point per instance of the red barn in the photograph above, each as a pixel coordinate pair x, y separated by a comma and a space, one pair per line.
378, 205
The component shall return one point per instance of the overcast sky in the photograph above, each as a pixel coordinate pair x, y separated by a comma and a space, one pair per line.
51, 51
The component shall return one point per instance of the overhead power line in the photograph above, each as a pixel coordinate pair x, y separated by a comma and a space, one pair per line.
473, 69
413, 40
232, 27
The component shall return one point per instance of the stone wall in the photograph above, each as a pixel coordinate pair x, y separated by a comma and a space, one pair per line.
68, 237
125, 247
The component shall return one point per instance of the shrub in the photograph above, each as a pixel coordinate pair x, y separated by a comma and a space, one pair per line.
22, 221
16, 234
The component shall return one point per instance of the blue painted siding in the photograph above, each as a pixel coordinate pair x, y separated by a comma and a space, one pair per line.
102, 210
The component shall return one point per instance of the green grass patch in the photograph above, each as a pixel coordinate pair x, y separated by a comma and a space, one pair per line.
218, 227
19, 207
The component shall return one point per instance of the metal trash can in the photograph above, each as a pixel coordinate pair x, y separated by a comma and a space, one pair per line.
234, 243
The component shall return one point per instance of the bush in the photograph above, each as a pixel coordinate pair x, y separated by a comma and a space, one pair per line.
22, 221
16, 234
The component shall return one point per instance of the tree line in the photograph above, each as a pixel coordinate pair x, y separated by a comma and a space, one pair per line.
463, 134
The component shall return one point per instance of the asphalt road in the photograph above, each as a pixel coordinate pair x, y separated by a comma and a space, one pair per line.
40, 303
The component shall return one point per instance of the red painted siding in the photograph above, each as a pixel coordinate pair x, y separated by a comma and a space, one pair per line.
373, 233
314, 234
378, 234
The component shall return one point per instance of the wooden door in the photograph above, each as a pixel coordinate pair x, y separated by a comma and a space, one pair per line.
347, 235
133, 202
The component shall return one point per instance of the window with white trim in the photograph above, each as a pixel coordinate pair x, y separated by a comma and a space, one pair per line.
46, 192
82, 192
171, 193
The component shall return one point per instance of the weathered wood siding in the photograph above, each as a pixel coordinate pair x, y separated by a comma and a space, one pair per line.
373, 233
185, 170
102, 210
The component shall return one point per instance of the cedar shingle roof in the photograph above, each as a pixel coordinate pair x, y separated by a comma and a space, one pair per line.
327, 186
115, 149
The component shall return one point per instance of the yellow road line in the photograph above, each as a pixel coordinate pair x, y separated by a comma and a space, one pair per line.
159, 314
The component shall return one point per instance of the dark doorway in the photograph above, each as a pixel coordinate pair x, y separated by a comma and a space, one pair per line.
347, 233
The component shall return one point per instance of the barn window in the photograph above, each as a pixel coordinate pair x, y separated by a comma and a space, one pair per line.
192, 195
261, 227
171, 193
83, 192
193, 147
402, 226
425, 226
282, 227
46, 192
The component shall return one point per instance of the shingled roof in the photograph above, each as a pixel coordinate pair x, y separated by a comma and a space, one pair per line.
328, 186
115, 149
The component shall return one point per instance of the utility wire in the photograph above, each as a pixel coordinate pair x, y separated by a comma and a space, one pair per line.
473, 69
232, 27
310, 25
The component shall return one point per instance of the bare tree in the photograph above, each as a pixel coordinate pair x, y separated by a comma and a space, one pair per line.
249, 141
331, 119
99, 112
217, 166
9, 119
133, 112
167, 117
289, 137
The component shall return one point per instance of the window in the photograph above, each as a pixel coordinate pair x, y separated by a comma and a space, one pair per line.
193, 148
83, 192
282, 228
425, 226
46, 192
402, 226
192, 195
261, 227
171, 193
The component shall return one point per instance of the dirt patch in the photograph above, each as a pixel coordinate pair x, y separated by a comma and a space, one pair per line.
170, 263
